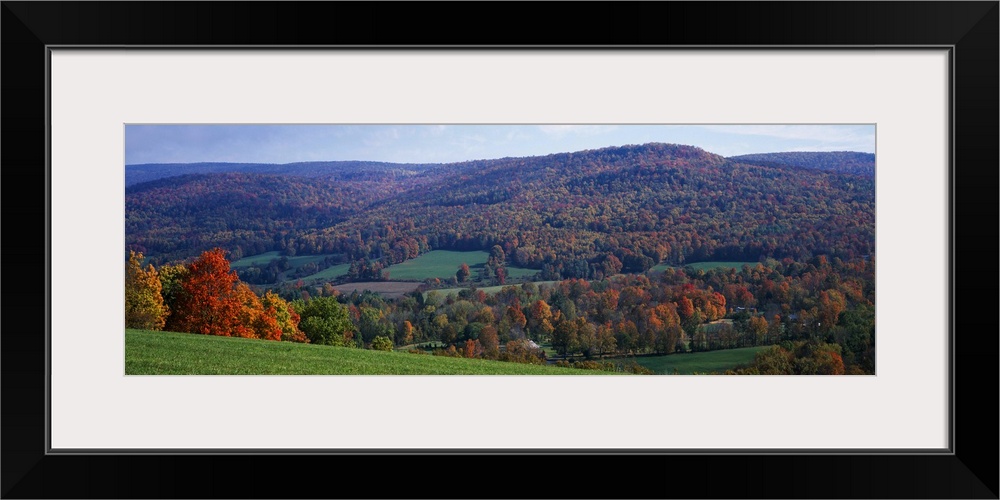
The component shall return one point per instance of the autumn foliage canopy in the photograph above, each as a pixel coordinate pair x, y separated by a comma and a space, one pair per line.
205, 297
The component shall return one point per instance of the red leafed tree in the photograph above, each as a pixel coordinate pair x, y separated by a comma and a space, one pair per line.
208, 302
685, 308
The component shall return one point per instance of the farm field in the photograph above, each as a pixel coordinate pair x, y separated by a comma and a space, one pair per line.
256, 260
156, 353
329, 273
294, 264
700, 362
266, 257
442, 264
388, 289
705, 266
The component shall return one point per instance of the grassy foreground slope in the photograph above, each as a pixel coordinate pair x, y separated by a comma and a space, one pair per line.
156, 353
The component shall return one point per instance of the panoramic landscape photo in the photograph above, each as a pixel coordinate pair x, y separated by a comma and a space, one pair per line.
499, 249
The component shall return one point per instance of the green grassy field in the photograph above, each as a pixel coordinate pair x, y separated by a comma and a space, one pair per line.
254, 260
434, 264
329, 273
294, 264
701, 362
705, 266
387, 289
264, 258
443, 264
155, 353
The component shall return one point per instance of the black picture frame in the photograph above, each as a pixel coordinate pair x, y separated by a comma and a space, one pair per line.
969, 28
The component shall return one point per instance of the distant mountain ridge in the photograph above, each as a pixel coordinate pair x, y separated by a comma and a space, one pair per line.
347, 170
847, 162
850, 162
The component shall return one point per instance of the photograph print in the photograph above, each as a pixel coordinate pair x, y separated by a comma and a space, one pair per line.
442, 249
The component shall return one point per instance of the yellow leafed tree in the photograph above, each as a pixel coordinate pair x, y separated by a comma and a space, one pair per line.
144, 307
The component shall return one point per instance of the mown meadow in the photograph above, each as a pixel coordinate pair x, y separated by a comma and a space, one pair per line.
442, 264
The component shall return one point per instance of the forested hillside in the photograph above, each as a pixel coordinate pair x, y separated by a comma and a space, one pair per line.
177, 217
585, 214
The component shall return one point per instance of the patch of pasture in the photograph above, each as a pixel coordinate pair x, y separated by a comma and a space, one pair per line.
443, 264
388, 289
266, 258
256, 260
329, 273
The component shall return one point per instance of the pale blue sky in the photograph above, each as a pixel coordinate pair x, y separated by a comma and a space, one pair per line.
452, 143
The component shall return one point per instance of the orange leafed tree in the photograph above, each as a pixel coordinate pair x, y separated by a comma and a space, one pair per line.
516, 316
541, 319
256, 320
406, 333
472, 349
209, 302
489, 342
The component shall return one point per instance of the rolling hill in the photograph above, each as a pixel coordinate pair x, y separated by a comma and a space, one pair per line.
583, 214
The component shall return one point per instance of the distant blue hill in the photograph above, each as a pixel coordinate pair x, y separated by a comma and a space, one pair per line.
845, 162
346, 170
